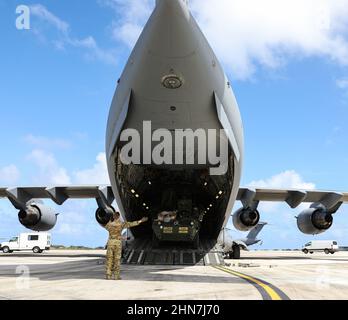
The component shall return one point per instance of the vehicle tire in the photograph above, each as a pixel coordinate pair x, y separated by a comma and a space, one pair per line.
327, 251
332, 252
311, 252
36, 250
6, 250
236, 252
305, 251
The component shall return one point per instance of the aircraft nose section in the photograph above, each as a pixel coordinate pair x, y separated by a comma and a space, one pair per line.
171, 33
173, 7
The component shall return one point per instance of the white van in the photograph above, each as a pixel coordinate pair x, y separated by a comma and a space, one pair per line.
328, 246
35, 241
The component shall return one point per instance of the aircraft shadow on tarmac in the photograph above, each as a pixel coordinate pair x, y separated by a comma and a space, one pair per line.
95, 269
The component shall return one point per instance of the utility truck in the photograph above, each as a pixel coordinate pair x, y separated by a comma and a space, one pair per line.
34, 241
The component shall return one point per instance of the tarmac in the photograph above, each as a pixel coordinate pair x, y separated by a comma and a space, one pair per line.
259, 275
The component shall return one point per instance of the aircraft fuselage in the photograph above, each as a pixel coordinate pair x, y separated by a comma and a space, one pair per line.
173, 81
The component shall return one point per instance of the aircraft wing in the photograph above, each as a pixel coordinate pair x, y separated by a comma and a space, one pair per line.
248, 196
330, 199
59, 194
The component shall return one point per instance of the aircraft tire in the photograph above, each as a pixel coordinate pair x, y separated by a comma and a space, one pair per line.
236, 252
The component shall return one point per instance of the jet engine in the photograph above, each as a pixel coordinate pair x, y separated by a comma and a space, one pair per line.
103, 216
314, 220
38, 217
245, 219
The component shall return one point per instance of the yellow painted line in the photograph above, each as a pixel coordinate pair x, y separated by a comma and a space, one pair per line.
273, 295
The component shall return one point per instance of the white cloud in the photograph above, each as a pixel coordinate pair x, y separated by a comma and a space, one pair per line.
245, 34
248, 33
76, 219
342, 83
64, 37
41, 12
50, 172
44, 142
127, 33
96, 175
289, 179
131, 17
107, 56
9, 174
335, 133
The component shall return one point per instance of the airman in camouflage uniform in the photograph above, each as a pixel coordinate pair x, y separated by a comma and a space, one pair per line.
114, 246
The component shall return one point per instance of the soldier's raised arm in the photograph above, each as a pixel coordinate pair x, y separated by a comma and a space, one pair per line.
107, 226
127, 225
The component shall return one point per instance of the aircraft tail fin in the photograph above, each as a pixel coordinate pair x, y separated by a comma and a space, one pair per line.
254, 232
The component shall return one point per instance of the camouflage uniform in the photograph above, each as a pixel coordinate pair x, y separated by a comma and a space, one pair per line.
114, 250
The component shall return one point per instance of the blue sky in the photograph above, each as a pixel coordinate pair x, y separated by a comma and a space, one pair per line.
287, 60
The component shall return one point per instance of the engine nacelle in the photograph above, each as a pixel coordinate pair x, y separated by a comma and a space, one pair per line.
38, 217
103, 216
314, 220
245, 219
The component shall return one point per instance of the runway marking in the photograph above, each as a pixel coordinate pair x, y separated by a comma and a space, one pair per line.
267, 291
141, 256
130, 257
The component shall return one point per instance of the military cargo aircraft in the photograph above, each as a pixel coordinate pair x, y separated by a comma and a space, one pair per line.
173, 86
232, 247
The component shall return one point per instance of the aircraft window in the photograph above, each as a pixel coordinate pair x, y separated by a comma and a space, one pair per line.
33, 237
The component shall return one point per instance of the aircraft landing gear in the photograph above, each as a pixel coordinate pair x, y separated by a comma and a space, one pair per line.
235, 254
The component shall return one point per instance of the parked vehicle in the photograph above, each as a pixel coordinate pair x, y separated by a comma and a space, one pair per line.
35, 241
327, 246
